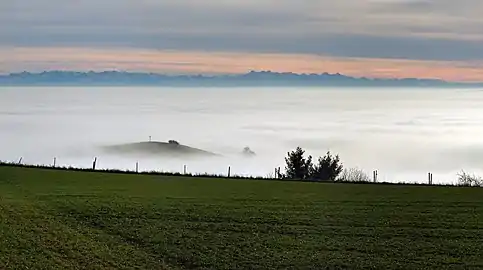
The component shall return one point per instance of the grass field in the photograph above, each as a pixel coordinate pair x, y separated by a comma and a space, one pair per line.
64, 219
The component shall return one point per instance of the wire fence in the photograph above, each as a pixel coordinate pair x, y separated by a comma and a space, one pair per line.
464, 179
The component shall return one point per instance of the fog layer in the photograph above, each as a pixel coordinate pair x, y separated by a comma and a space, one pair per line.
403, 133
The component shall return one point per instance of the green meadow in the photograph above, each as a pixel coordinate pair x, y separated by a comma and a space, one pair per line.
60, 219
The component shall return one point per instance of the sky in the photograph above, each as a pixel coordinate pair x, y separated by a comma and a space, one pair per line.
372, 38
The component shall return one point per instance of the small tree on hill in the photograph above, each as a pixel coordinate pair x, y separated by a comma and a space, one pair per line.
328, 168
297, 166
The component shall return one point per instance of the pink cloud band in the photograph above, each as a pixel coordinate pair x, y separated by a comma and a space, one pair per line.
184, 62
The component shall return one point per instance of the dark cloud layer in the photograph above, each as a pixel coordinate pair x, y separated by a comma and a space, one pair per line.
408, 29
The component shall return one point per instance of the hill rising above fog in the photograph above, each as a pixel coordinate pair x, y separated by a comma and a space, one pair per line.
253, 78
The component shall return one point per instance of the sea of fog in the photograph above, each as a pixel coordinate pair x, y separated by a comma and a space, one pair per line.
403, 133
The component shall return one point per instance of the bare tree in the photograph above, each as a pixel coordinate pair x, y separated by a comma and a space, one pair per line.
354, 175
469, 180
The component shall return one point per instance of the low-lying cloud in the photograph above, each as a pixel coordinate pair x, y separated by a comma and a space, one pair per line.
440, 132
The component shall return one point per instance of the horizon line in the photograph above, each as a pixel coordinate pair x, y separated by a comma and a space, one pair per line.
35, 59
219, 74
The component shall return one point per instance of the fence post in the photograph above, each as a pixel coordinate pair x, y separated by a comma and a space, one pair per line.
20, 160
137, 166
184, 169
55, 161
429, 178
94, 163
229, 171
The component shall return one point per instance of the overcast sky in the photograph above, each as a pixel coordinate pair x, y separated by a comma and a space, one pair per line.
432, 33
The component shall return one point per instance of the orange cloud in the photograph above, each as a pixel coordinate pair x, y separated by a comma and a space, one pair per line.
166, 61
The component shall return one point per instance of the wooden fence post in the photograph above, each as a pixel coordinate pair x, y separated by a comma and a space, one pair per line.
184, 169
94, 163
55, 161
137, 166
229, 171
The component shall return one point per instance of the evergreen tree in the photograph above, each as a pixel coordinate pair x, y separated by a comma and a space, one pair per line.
327, 168
297, 166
